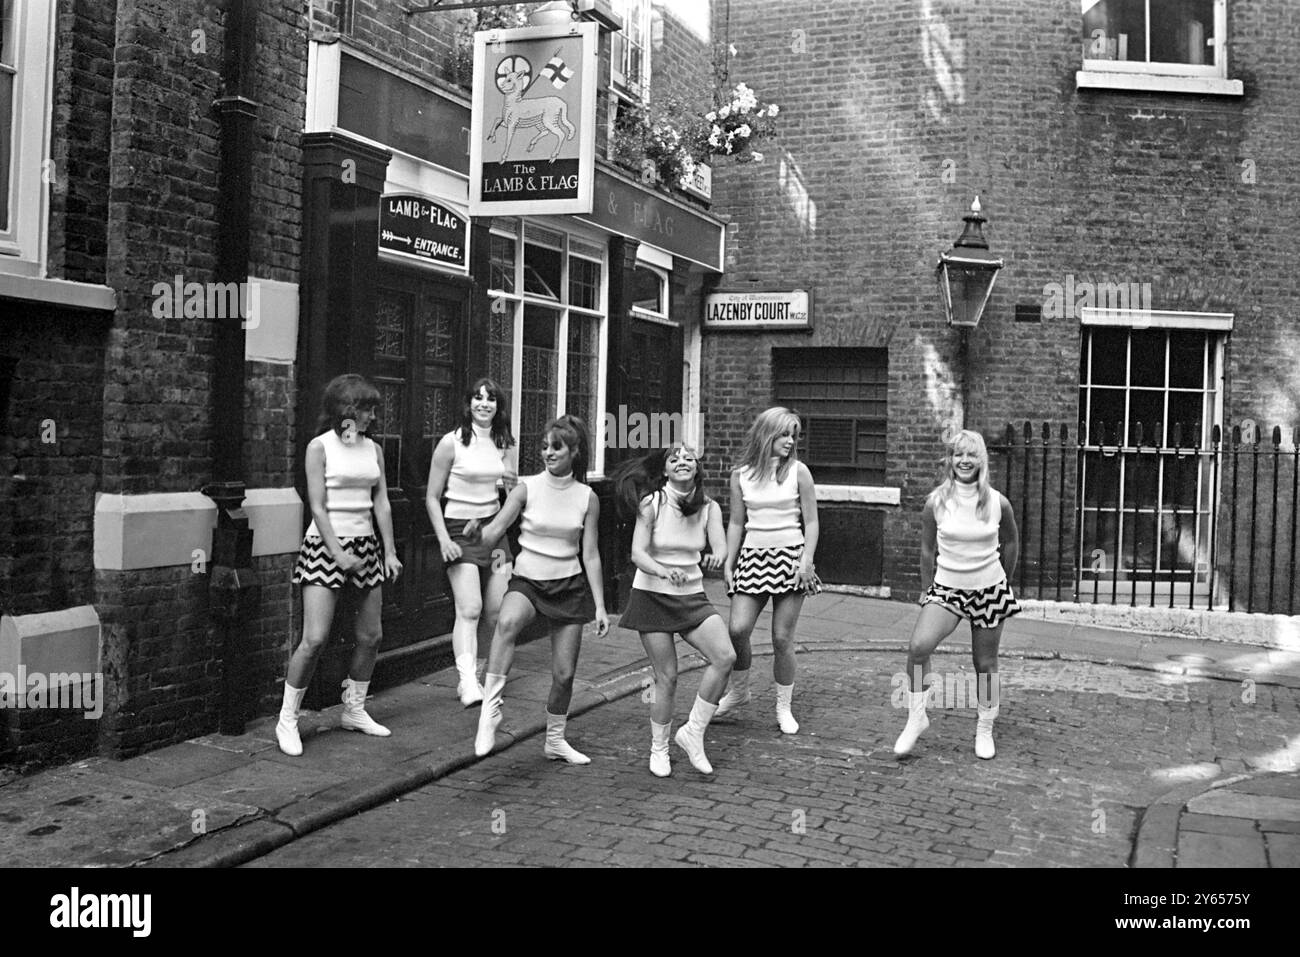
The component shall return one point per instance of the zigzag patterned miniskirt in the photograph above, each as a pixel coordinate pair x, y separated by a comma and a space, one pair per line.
316, 566
983, 607
767, 571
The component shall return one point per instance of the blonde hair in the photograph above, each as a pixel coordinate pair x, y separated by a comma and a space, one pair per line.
968, 441
770, 425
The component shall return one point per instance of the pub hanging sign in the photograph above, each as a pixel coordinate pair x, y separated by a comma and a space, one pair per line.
414, 226
532, 141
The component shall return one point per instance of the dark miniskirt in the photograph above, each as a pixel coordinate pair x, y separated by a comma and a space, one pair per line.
564, 601
494, 555
649, 611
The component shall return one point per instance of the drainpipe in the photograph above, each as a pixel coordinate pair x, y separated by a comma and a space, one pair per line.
233, 588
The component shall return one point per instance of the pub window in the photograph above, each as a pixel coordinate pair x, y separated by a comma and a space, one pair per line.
840, 395
650, 291
547, 333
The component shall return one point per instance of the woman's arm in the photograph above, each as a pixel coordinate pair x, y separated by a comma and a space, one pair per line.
716, 536
439, 468
735, 529
1008, 538
510, 465
503, 519
591, 562
811, 527
929, 546
384, 519
316, 502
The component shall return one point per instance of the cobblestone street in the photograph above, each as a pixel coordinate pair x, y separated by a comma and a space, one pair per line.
1082, 749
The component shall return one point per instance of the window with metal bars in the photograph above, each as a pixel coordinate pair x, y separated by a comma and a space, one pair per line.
840, 396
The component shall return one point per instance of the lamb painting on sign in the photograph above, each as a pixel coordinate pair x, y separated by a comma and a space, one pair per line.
532, 137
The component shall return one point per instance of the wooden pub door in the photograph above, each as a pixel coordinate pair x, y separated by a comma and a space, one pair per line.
416, 362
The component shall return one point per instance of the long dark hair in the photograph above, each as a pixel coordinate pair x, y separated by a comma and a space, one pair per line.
572, 431
501, 434
638, 478
342, 398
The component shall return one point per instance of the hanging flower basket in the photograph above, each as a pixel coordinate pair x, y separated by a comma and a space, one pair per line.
738, 123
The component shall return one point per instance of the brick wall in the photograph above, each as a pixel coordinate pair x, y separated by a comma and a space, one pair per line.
83, 62
134, 202
894, 117
49, 459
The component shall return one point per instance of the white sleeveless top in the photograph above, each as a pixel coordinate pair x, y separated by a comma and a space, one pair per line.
968, 547
351, 474
771, 509
475, 470
676, 541
551, 533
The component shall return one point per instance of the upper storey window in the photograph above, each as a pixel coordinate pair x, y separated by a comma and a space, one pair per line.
25, 96
1169, 45
630, 52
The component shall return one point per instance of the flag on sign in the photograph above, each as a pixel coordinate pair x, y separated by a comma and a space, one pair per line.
556, 71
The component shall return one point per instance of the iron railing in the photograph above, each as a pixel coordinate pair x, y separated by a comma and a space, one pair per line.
1108, 516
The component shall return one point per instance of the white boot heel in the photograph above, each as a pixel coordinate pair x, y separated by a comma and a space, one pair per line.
917, 722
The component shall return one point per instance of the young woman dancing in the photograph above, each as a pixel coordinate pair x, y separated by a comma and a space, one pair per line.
674, 521
468, 465
345, 484
964, 525
771, 539
560, 513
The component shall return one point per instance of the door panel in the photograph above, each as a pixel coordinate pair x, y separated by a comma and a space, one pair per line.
419, 324
654, 373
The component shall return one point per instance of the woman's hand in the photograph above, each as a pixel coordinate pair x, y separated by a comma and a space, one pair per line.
808, 581
806, 571
674, 575
728, 572
602, 622
450, 551
347, 562
473, 533
392, 567
712, 561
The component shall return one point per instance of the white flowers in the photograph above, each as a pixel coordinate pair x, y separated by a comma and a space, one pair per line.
743, 99
739, 121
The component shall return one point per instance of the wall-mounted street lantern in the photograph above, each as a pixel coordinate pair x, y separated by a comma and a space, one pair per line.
966, 275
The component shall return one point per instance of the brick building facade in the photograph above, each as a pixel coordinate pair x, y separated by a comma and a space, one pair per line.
159, 155
159, 145
1097, 162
